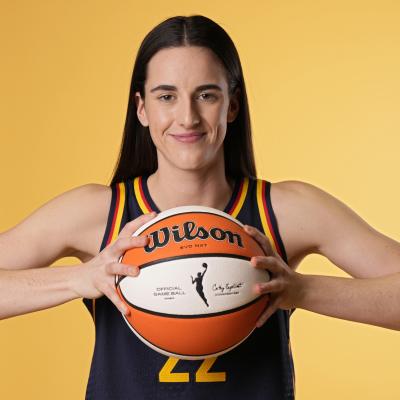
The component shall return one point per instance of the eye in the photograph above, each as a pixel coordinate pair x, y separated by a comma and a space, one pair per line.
208, 96
165, 97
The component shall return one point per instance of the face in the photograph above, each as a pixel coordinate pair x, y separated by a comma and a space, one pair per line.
187, 106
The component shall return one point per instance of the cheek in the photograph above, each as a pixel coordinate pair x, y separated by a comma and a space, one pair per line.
159, 121
217, 121
221, 129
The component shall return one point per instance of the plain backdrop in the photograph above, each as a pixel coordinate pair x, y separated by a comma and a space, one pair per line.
324, 91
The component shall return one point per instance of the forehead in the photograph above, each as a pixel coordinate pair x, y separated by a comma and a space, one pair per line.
185, 66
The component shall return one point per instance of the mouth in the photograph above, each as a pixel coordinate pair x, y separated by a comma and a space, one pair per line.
189, 137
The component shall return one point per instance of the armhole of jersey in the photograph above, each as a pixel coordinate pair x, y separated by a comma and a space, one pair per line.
115, 214
268, 219
113, 223
110, 217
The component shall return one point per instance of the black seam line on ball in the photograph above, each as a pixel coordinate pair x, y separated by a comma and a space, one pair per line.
230, 311
193, 212
183, 256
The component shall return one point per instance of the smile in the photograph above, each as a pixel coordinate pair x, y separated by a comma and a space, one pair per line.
189, 138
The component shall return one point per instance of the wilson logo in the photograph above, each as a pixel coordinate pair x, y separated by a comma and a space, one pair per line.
189, 231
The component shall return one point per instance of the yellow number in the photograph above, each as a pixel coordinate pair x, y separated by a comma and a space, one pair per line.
202, 374
166, 374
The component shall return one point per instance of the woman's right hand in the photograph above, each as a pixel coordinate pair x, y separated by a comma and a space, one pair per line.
97, 276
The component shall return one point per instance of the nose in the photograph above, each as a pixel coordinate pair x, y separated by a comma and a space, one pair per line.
187, 113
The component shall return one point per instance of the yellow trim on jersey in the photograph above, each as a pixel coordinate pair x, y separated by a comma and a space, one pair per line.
263, 216
239, 204
120, 211
139, 197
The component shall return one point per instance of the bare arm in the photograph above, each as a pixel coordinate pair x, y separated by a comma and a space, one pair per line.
24, 291
313, 221
374, 301
55, 230
62, 227
66, 225
316, 222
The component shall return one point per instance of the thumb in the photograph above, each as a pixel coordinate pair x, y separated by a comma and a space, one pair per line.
135, 224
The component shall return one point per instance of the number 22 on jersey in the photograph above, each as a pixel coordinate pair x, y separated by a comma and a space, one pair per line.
202, 373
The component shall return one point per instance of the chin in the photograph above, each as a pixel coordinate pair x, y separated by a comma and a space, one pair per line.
190, 165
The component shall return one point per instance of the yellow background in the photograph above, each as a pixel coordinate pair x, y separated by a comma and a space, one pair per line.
324, 92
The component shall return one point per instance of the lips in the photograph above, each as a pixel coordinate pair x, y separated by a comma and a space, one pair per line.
188, 137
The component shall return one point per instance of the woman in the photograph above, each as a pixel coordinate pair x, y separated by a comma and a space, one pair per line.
187, 140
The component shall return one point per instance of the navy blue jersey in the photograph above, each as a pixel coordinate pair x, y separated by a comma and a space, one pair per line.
123, 367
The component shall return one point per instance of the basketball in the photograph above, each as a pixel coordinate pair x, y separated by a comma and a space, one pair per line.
194, 297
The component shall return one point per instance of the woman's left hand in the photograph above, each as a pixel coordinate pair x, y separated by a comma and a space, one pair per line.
285, 285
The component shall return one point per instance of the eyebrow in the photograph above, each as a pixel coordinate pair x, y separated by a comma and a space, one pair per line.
174, 88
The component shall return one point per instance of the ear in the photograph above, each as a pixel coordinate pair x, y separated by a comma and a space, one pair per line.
140, 110
233, 109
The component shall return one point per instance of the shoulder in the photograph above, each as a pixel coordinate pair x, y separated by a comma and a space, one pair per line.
294, 193
81, 215
89, 206
301, 210
314, 221
85, 202
70, 224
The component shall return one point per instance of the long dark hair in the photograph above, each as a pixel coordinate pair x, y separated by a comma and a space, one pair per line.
138, 154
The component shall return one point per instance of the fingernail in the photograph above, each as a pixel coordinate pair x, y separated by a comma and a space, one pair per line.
133, 271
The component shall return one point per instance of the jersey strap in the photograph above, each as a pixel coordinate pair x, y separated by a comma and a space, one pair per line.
240, 197
267, 216
139, 195
117, 210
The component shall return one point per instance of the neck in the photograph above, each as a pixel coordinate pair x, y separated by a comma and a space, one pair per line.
170, 187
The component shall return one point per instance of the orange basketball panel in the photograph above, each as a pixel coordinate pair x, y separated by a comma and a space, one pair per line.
197, 336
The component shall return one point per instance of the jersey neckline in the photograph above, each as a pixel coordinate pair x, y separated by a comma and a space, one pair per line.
228, 208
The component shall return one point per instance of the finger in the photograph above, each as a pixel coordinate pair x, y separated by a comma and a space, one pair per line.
111, 293
132, 226
273, 286
271, 308
261, 239
122, 244
270, 263
122, 269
